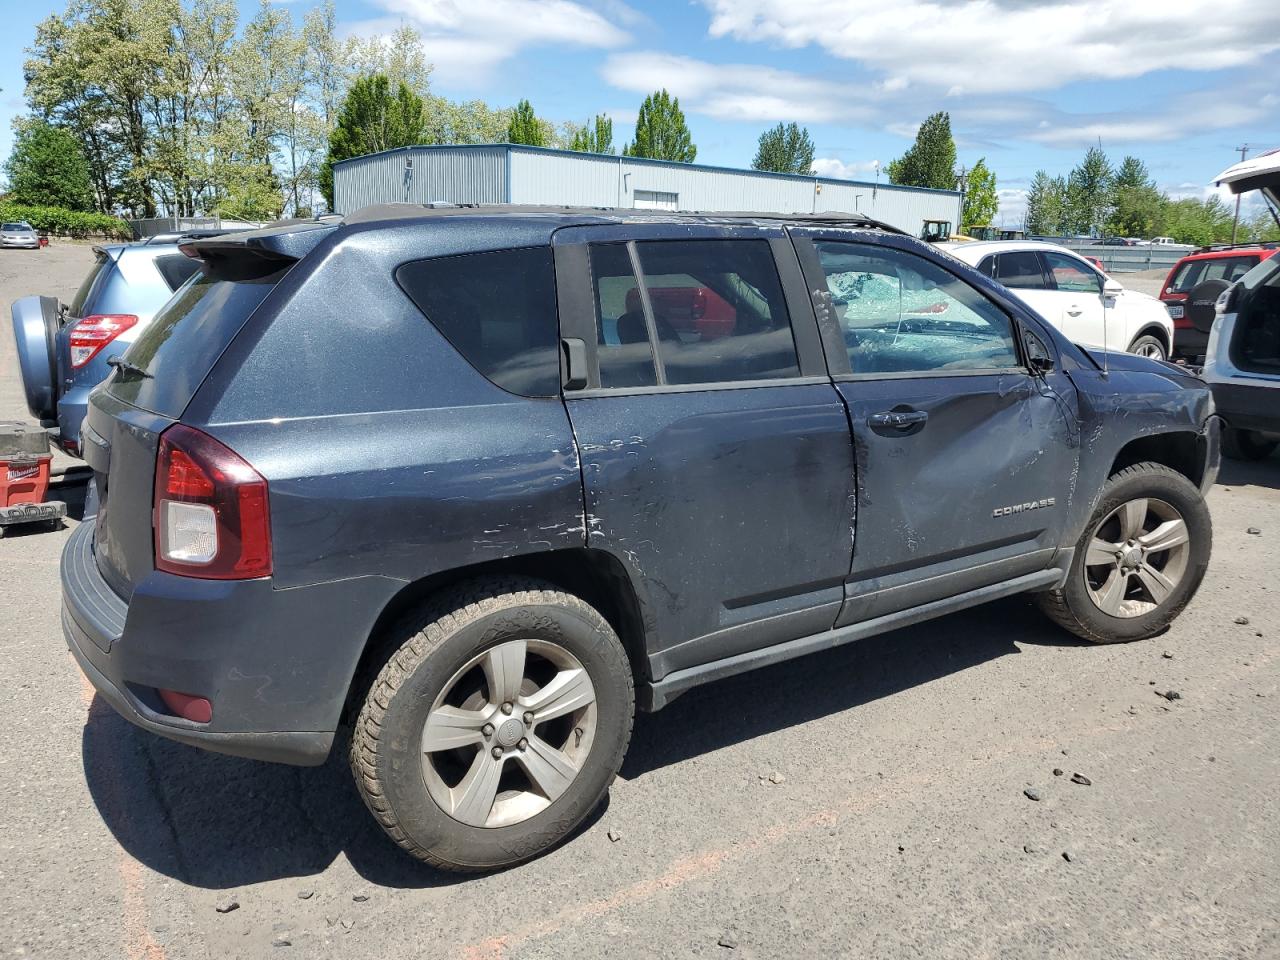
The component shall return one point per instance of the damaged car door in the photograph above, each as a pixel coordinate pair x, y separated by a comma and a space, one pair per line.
716, 457
965, 452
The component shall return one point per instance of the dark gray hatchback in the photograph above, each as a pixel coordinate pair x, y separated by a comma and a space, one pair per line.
477, 482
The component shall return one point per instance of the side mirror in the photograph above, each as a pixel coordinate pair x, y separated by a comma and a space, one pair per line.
1041, 364
1111, 287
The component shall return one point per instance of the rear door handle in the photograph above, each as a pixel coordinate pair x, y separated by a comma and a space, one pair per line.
1074, 311
897, 419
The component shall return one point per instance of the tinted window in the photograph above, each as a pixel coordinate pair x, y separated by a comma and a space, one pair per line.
14, 226
184, 340
176, 269
92, 282
1020, 269
1070, 274
498, 309
718, 311
626, 357
900, 313
1196, 272
1256, 344
987, 267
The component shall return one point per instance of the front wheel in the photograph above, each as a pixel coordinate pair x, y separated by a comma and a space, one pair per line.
496, 727
1148, 346
1246, 445
1140, 560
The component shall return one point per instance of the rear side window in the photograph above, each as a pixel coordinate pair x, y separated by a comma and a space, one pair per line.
1020, 270
497, 309
176, 269
714, 309
92, 283
184, 340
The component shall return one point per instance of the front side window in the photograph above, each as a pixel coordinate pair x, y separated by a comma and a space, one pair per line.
497, 309
1020, 270
900, 313
714, 309
1070, 275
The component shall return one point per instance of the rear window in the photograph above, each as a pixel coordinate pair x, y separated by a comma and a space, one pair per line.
177, 269
1196, 272
498, 309
91, 284
184, 340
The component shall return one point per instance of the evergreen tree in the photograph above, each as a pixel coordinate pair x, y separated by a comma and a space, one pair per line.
47, 168
1046, 206
931, 160
786, 148
1089, 193
1137, 205
661, 132
373, 118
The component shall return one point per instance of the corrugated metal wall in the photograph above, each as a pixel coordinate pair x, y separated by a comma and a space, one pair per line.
496, 174
448, 174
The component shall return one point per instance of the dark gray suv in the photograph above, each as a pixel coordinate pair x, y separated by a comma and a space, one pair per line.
477, 482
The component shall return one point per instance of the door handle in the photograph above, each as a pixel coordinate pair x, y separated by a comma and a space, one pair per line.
1074, 311
897, 419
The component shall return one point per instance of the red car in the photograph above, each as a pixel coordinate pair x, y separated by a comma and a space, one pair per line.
1227, 263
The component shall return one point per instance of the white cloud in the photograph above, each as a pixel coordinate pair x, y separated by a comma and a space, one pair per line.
464, 39
839, 170
1011, 45
738, 91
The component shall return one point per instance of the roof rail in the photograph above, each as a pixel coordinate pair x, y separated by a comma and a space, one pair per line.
1255, 245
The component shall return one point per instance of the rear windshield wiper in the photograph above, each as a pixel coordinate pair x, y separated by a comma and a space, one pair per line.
123, 365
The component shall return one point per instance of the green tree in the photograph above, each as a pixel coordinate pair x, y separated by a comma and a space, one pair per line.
661, 131
980, 199
594, 137
1198, 221
1089, 193
372, 118
1137, 205
785, 148
525, 127
931, 160
1046, 206
47, 168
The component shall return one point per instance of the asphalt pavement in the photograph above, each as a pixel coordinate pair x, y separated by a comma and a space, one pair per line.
870, 801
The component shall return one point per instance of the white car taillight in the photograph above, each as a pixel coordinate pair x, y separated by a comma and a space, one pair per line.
188, 532
90, 335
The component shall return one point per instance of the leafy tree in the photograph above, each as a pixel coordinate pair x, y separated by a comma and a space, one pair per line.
1198, 221
525, 127
1137, 205
1089, 193
372, 118
931, 160
980, 199
47, 168
594, 137
785, 149
661, 131
1046, 206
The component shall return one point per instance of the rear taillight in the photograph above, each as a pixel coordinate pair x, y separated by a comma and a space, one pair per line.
90, 335
211, 516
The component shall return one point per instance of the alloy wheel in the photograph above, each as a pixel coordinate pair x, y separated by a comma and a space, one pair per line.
1136, 557
509, 733
1152, 350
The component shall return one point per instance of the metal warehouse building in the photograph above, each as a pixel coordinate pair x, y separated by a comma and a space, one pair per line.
510, 173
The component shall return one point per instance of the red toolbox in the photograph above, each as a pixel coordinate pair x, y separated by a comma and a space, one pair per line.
24, 476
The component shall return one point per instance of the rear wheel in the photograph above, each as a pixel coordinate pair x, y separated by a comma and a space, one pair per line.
1140, 560
1247, 444
1148, 346
496, 727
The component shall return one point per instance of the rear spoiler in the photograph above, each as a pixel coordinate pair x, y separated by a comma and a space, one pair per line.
282, 244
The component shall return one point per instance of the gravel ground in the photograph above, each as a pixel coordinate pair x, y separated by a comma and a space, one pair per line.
868, 801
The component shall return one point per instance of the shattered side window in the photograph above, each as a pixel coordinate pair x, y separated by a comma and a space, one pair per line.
901, 314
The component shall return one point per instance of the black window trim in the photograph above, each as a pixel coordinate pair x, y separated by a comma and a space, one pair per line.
576, 296
806, 249
1045, 276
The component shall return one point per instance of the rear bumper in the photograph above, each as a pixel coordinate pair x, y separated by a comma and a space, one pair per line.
73, 407
276, 664
1248, 406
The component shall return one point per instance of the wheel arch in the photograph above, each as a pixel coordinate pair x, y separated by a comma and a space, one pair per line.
1157, 331
1180, 450
594, 576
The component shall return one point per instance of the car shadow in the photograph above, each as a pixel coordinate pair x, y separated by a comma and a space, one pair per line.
1250, 473
220, 822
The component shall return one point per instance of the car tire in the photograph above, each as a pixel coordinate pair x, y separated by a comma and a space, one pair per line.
1246, 445
1087, 605
453, 662
1149, 345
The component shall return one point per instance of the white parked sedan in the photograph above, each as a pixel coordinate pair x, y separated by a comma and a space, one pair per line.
1089, 307
19, 234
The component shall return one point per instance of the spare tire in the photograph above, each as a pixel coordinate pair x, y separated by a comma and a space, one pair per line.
36, 323
1200, 303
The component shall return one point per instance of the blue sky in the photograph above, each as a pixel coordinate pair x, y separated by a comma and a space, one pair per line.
1180, 83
